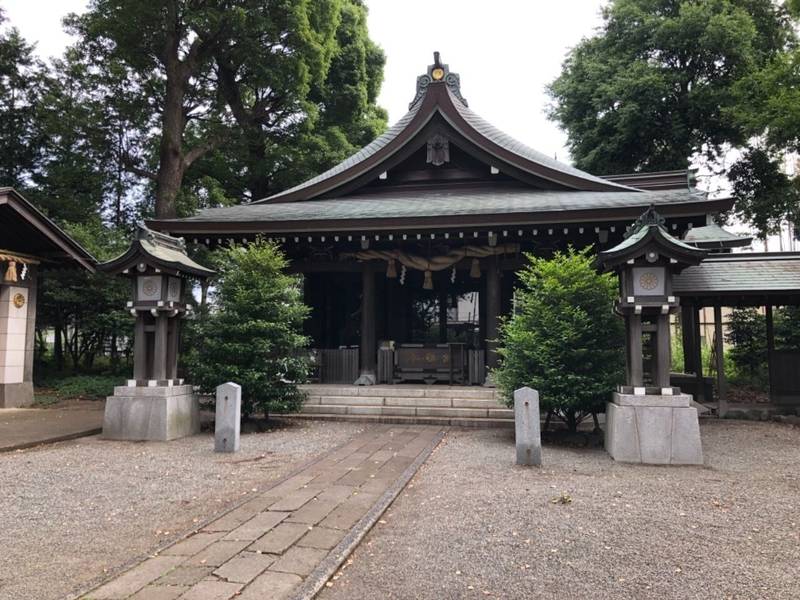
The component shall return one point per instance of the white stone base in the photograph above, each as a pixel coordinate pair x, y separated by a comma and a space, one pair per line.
653, 429
151, 413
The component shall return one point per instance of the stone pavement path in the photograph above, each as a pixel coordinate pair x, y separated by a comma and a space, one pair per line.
298, 531
26, 427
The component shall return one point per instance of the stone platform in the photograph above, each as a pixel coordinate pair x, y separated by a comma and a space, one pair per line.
287, 541
158, 413
653, 429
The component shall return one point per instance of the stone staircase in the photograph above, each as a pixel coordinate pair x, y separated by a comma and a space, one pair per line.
457, 406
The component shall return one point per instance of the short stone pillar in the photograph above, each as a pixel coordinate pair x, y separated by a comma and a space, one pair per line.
227, 423
527, 427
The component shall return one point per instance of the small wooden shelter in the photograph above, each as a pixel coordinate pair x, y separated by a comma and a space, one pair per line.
28, 240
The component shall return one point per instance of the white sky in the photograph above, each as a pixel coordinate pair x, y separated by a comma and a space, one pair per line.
506, 51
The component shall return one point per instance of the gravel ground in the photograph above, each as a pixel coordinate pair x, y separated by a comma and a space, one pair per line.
71, 512
473, 525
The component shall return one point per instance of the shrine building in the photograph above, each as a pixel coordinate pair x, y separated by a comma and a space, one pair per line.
409, 248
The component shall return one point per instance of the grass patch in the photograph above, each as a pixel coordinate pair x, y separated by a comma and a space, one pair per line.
83, 387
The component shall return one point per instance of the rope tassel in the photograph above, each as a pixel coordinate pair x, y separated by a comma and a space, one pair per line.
391, 269
475, 269
428, 283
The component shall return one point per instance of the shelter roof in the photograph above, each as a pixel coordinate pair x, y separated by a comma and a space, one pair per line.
742, 273
713, 236
159, 250
25, 229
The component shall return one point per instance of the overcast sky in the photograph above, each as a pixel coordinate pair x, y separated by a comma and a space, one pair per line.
506, 51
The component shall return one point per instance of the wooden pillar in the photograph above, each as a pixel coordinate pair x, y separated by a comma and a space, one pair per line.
770, 347
492, 311
367, 348
662, 352
139, 348
719, 349
688, 317
172, 347
698, 357
635, 370
160, 347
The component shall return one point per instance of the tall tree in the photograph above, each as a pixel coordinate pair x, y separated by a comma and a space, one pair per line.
165, 48
656, 85
21, 76
247, 77
298, 112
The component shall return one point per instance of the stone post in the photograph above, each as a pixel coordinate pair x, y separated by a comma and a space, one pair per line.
527, 427
228, 417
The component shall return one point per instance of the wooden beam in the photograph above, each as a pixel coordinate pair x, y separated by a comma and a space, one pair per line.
160, 347
722, 407
139, 349
636, 371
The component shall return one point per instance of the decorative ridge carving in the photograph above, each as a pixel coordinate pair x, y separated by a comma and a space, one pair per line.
438, 72
646, 219
160, 239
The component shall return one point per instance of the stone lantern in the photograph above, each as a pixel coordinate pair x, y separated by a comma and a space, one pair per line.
155, 404
648, 421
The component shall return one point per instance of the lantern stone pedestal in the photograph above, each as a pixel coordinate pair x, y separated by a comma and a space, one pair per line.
155, 405
158, 413
648, 421
653, 428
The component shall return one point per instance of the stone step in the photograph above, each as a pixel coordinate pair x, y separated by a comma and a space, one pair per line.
479, 423
405, 401
402, 391
495, 412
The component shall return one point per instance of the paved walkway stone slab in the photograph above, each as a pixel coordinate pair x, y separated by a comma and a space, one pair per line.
281, 540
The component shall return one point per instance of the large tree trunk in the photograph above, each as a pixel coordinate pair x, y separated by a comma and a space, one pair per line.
170, 162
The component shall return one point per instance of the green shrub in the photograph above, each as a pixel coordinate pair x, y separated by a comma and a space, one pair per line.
252, 334
89, 387
564, 339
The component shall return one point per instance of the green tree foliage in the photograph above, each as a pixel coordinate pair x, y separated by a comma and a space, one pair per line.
747, 333
240, 93
563, 338
765, 195
656, 84
21, 75
252, 335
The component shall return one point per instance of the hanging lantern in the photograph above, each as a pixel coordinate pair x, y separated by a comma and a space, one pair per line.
475, 269
391, 269
428, 283
11, 271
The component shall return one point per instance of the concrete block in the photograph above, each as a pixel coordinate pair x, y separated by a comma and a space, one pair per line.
324, 409
364, 410
392, 391
621, 437
418, 401
501, 413
454, 413
651, 400
399, 411
16, 395
159, 417
228, 418
655, 433
686, 446
477, 403
463, 393
352, 400
527, 427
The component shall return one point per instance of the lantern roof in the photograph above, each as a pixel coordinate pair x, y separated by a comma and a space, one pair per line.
158, 250
646, 234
